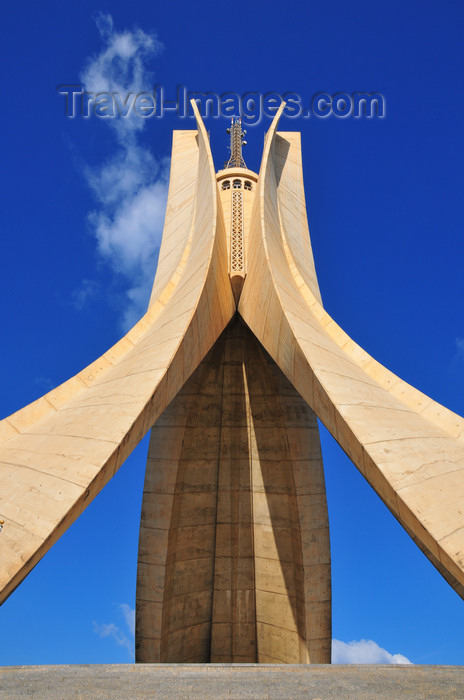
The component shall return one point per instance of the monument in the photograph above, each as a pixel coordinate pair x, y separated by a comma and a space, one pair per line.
229, 368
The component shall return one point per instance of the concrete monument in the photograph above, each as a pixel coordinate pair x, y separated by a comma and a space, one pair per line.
229, 368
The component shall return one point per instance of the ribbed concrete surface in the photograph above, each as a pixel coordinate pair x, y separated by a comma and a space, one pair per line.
239, 681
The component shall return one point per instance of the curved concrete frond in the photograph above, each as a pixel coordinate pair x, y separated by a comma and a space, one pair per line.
408, 447
57, 453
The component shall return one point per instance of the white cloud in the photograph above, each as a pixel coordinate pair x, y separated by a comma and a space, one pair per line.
129, 233
365, 651
45, 383
129, 617
460, 346
87, 290
121, 67
122, 638
114, 632
131, 186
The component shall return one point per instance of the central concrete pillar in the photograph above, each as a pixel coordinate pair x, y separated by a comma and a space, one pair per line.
234, 555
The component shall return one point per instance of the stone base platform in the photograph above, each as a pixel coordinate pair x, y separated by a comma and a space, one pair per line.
239, 681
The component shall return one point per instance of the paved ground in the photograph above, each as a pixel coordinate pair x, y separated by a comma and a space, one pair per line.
238, 681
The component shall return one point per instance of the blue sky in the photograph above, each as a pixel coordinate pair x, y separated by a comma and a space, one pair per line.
385, 211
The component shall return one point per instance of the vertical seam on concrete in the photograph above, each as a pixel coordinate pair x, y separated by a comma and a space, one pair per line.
249, 422
297, 514
217, 499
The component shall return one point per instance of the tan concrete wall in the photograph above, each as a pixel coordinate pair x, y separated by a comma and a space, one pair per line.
178, 523
234, 558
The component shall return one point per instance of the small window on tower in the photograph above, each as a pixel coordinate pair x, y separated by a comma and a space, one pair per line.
226, 185
237, 184
247, 185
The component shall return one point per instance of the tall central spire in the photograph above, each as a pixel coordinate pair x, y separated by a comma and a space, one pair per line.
236, 143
